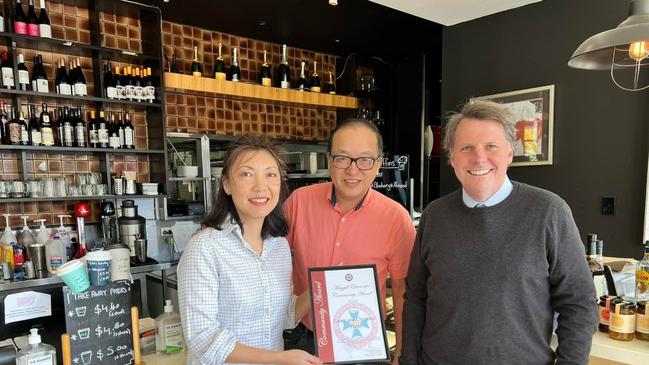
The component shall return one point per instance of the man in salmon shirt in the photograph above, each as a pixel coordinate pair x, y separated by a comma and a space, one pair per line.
346, 222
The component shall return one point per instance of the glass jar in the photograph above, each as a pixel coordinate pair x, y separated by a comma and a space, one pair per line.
642, 322
622, 322
604, 310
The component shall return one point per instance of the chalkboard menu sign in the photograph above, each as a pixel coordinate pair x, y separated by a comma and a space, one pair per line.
98, 321
392, 179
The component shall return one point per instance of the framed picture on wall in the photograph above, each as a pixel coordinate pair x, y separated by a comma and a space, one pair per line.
533, 111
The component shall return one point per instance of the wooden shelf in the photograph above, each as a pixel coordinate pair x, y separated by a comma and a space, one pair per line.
155, 104
258, 92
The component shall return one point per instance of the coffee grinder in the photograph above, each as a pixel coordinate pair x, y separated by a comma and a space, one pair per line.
131, 226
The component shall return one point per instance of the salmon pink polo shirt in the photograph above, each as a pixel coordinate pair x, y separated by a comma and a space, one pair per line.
379, 231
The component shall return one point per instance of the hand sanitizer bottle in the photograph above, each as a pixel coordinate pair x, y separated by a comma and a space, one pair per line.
169, 331
37, 353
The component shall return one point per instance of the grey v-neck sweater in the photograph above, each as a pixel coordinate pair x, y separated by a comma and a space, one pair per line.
483, 283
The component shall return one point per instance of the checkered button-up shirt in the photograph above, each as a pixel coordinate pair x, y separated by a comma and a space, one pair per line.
229, 294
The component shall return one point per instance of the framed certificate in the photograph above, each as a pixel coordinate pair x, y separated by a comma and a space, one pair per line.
347, 315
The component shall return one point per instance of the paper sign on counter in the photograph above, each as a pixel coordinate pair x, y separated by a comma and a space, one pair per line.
27, 305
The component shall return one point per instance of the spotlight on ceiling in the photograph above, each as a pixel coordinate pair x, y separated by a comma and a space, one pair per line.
333, 2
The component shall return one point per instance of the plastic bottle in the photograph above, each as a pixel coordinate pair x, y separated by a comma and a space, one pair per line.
7, 240
169, 332
43, 233
55, 254
63, 235
37, 352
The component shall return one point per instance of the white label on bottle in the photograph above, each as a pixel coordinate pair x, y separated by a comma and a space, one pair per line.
173, 338
24, 135
121, 136
23, 77
642, 323
150, 93
93, 135
235, 78
7, 77
55, 262
111, 92
65, 89
121, 92
36, 138
80, 89
129, 91
47, 135
80, 135
113, 142
284, 84
67, 134
622, 323
42, 86
2, 23
41, 360
128, 137
46, 30
139, 93
102, 135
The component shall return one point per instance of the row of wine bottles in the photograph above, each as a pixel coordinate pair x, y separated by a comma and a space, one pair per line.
282, 79
69, 129
30, 24
134, 84
72, 83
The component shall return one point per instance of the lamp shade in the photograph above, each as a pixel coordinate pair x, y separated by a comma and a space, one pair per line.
597, 52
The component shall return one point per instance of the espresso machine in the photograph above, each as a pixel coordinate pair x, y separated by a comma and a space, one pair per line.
131, 226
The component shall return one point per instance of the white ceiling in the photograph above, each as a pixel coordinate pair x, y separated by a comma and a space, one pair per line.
450, 12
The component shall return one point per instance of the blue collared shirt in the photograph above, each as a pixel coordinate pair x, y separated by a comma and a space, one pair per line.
496, 198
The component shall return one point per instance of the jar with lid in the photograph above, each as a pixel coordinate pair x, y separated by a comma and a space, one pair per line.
642, 321
604, 310
622, 322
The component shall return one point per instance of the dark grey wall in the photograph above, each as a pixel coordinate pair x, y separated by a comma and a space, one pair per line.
600, 131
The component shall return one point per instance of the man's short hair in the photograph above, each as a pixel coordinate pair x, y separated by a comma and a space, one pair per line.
357, 122
480, 110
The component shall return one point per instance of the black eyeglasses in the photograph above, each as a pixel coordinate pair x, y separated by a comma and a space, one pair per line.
362, 163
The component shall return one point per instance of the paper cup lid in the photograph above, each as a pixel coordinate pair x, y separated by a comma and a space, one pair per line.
98, 256
69, 267
116, 246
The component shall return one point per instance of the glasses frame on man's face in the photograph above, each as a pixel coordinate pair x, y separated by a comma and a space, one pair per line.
344, 162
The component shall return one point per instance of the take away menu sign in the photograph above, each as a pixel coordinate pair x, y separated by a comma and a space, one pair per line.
98, 321
348, 322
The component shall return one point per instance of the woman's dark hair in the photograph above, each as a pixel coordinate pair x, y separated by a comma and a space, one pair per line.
275, 224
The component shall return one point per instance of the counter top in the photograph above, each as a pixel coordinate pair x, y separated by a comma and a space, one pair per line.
155, 359
632, 352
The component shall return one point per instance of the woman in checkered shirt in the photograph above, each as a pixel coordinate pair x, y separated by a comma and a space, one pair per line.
234, 278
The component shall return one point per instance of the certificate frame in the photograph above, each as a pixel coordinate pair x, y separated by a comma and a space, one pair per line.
348, 318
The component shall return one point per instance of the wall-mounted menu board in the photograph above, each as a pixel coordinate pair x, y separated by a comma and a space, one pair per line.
98, 321
392, 179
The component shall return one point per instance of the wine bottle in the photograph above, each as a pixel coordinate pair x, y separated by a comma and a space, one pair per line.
44, 22
235, 71
32, 21
137, 85
109, 82
68, 127
20, 19
80, 130
12, 128
93, 130
72, 76
62, 81
24, 131
23, 73
119, 85
129, 87
219, 65
301, 81
39, 77
102, 130
315, 79
47, 130
120, 131
284, 73
331, 85
196, 65
7, 70
3, 121
33, 127
129, 133
80, 87
148, 86
2, 29
113, 130
173, 67
264, 73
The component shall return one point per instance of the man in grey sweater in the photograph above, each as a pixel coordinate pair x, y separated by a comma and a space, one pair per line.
494, 261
